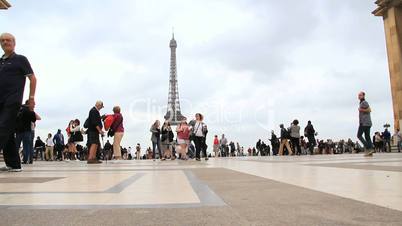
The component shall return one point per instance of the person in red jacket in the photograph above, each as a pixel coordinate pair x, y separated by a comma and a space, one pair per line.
118, 128
216, 146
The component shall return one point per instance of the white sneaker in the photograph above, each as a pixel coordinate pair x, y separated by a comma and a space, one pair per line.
4, 169
14, 170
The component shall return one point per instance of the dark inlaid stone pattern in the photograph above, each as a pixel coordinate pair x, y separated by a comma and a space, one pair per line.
28, 180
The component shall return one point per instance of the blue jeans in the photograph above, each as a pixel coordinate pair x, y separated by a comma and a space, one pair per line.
366, 141
155, 145
27, 146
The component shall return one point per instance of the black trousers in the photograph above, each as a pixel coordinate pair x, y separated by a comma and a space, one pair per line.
8, 116
296, 145
58, 148
311, 144
200, 147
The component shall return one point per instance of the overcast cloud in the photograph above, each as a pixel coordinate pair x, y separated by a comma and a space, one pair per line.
247, 65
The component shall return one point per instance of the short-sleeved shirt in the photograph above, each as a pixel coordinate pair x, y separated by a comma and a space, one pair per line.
364, 117
13, 72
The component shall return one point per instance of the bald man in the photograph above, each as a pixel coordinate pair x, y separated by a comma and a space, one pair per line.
365, 125
14, 69
94, 124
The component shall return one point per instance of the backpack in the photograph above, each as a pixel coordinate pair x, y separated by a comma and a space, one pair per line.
86, 123
77, 137
112, 131
170, 136
108, 121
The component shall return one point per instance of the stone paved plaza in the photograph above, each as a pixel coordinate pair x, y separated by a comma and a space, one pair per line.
307, 190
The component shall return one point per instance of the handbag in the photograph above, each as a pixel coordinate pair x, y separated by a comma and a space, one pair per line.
77, 137
80, 137
170, 136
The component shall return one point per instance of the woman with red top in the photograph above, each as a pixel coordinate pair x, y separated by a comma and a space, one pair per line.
117, 127
216, 146
183, 139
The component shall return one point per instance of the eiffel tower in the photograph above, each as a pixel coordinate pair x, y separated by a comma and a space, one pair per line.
173, 114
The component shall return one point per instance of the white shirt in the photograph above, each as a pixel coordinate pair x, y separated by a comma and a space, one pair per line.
198, 129
49, 142
74, 129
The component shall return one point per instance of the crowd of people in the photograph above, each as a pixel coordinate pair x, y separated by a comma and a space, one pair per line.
166, 146
187, 141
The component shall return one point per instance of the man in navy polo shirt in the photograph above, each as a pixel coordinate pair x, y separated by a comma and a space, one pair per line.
14, 69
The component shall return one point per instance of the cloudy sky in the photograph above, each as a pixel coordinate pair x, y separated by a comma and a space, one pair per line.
248, 65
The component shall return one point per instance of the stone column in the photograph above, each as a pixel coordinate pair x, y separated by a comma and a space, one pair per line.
4, 4
391, 11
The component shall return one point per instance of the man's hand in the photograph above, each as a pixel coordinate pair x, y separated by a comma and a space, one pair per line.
31, 100
100, 131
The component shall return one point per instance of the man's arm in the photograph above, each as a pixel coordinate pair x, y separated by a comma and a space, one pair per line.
366, 110
364, 107
32, 87
37, 116
100, 130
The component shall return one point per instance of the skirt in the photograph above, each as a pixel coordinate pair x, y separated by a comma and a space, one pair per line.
182, 141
